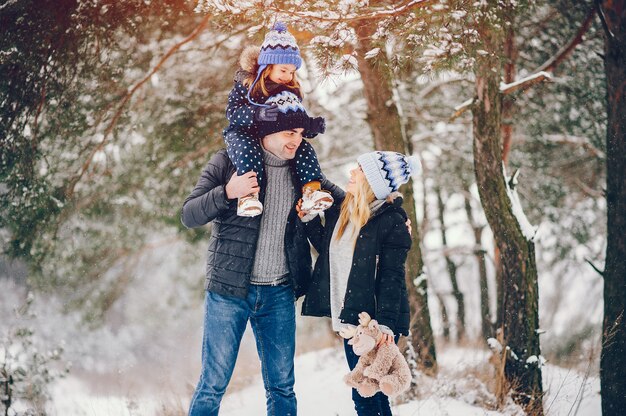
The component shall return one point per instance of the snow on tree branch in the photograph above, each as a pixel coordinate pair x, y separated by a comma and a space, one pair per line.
507, 89
329, 16
547, 67
524, 83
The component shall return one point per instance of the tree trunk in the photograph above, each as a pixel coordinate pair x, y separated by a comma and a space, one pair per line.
458, 295
384, 120
510, 55
445, 320
479, 252
519, 285
613, 358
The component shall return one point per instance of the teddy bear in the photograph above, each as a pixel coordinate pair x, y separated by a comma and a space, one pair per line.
381, 368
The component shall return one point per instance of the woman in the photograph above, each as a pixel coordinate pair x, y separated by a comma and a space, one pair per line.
362, 250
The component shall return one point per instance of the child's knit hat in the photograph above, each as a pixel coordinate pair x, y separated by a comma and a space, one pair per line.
279, 47
386, 171
291, 115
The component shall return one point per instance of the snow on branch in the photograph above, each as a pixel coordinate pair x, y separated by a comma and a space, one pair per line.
325, 16
521, 84
524, 83
544, 69
460, 109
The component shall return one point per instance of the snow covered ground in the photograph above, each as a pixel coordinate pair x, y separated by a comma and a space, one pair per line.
457, 391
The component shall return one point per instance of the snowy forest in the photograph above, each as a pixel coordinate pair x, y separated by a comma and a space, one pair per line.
109, 110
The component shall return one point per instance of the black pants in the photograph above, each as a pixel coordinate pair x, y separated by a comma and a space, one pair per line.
378, 404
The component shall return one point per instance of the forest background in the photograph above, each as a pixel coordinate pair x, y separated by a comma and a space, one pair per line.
109, 110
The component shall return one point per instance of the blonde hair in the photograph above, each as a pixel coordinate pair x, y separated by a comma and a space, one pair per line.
355, 208
260, 89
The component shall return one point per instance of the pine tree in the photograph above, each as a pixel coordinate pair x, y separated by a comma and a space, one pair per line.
613, 358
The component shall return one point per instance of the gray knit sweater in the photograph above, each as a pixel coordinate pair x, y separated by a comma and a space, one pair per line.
270, 263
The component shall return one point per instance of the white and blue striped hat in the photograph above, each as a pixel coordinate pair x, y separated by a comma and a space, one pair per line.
386, 171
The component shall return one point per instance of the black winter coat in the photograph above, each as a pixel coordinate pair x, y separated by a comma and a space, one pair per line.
233, 240
376, 282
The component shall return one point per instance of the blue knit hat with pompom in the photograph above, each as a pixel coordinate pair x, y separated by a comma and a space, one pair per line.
279, 47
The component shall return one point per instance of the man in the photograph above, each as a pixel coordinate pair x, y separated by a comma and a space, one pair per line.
257, 266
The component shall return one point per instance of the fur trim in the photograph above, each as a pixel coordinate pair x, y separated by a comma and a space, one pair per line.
393, 196
248, 59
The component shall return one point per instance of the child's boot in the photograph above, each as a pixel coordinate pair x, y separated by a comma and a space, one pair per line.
249, 206
314, 199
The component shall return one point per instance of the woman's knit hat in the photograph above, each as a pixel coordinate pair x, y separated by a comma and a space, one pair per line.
291, 115
386, 171
279, 47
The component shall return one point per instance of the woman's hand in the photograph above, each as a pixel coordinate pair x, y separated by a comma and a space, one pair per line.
301, 213
385, 339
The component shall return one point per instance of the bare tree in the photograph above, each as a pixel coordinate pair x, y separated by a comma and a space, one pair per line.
451, 267
479, 253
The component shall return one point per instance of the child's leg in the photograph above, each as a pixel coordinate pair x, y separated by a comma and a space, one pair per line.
245, 152
309, 174
307, 167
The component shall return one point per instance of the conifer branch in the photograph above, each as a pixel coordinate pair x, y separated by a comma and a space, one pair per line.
543, 72
69, 190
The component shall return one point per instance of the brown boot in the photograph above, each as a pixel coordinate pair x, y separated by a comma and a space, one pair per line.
315, 199
249, 206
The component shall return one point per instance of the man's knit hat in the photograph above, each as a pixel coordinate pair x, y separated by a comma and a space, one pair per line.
291, 115
386, 171
279, 47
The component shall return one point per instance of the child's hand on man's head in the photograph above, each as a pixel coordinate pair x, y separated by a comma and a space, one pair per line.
266, 113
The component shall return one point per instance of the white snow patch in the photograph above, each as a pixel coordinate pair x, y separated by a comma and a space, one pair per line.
528, 230
494, 344
348, 61
372, 53
540, 74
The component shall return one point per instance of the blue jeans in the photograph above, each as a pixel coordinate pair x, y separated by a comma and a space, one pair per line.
378, 404
271, 311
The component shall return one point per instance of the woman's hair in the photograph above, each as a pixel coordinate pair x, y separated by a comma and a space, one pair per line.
259, 89
355, 208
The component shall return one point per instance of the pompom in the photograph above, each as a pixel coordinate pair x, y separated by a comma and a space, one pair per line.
280, 27
414, 165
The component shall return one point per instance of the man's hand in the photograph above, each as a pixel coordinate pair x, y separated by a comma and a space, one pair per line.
408, 226
243, 185
266, 113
